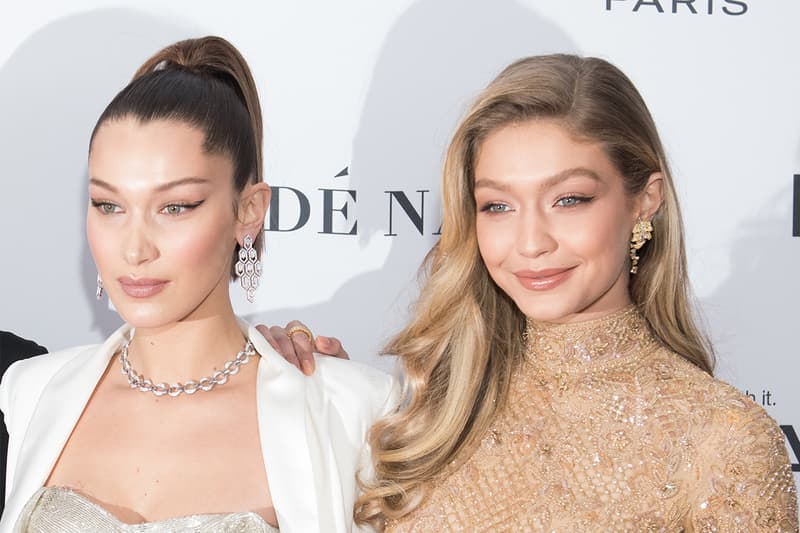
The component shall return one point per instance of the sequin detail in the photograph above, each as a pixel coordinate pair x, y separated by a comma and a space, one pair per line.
60, 510
607, 430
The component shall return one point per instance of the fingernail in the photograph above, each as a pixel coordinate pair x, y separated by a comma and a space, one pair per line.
308, 367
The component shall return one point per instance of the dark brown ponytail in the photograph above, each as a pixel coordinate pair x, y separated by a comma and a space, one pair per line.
207, 84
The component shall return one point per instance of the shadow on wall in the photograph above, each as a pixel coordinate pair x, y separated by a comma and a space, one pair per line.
755, 317
435, 58
52, 90
754, 311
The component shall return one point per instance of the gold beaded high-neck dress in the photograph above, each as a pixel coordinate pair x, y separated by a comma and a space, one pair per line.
606, 430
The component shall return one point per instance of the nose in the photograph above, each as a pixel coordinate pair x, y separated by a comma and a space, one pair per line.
138, 245
534, 235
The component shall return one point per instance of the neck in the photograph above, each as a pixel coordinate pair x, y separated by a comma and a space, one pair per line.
587, 318
584, 345
189, 349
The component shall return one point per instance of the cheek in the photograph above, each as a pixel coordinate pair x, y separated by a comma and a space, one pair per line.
101, 239
495, 242
602, 238
208, 244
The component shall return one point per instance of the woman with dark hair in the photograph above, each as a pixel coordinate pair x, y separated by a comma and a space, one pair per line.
106, 438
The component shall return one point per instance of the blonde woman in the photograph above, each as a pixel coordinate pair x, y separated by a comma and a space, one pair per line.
555, 378
193, 422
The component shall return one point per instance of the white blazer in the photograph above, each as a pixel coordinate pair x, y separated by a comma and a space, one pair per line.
311, 458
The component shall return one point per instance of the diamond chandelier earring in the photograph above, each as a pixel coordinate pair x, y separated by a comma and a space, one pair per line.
99, 292
642, 232
248, 268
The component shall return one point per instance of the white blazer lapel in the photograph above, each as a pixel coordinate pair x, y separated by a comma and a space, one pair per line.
57, 412
286, 443
290, 443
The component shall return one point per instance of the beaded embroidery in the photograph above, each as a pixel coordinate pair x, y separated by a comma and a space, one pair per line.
607, 430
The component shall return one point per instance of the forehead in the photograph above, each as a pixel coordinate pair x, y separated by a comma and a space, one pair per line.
538, 149
127, 149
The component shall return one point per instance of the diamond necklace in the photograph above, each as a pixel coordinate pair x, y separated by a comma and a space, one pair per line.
220, 377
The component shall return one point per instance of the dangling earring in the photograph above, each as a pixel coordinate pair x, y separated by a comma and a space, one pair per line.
642, 232
99, 292
248, 268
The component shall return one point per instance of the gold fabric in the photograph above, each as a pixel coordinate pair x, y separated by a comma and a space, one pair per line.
607, 430
60, 510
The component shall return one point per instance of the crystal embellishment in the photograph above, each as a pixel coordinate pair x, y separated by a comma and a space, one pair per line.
248, 268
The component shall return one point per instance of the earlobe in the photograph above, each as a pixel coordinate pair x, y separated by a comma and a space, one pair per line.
651, 197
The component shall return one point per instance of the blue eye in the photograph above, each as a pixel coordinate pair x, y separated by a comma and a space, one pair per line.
571, 201
495, 208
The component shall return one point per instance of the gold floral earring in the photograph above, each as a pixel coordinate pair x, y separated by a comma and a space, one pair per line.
642, 232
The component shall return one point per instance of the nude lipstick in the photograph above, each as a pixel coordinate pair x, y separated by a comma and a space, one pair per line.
543, 280
142, 287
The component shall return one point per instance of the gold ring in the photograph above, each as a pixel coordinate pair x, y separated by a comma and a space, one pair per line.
300, 329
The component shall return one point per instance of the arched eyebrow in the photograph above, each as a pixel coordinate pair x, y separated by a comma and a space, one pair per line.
161, 188
548, 182
182, 181
100, 183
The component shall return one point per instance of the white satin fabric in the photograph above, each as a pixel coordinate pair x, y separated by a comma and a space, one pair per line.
312, 429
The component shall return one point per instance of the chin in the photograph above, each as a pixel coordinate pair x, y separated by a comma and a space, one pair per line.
543, 314
145, 316
553, 307
542, 309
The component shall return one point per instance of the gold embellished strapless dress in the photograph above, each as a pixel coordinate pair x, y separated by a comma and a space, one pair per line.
606, 430
60, 510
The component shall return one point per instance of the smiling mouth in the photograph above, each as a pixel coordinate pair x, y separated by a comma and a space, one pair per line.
543, 280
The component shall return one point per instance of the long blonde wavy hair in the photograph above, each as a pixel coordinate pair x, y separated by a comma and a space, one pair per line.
465, 342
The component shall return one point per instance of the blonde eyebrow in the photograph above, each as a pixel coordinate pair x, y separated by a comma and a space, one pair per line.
488, 183
546, 184
161, 188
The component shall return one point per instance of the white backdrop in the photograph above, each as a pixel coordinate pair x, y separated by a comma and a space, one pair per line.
376, 88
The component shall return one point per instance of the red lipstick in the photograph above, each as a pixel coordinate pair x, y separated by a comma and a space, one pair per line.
543, 280
141, 287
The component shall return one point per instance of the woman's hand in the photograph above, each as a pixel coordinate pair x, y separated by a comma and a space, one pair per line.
297, 348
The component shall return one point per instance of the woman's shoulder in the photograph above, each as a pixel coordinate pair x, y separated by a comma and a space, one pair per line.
741, 475
723, 408
355, 384
23, 382
42, 367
